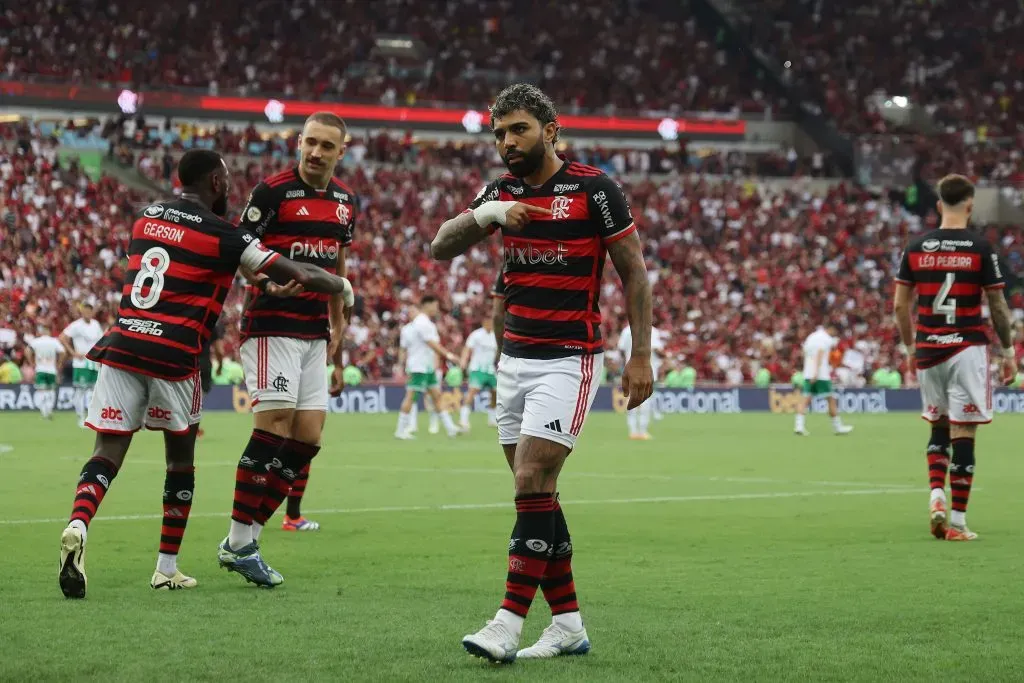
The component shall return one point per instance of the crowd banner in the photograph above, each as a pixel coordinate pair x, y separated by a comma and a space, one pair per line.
381, 398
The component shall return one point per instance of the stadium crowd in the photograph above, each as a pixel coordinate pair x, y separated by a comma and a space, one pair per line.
739, 273
638, 55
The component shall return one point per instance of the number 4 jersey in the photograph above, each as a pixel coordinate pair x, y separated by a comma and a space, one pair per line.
181, 262
950, 268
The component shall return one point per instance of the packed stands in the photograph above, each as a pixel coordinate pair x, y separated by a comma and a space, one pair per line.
638, 55
739, 273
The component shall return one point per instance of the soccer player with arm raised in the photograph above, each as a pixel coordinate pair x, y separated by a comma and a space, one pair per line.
558, 221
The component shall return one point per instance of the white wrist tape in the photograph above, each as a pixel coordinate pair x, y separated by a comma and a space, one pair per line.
347, 295
1009, 353
492, 212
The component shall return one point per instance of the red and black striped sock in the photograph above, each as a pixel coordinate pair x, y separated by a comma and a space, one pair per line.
179, 485
529, 550
961, 476
97, 476
938, 457
296, 492
292, 456
557, 583
251, 474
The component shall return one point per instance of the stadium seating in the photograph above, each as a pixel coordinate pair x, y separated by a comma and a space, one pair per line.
636, 56
723, 255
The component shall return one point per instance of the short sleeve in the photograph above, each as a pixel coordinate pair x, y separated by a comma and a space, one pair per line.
427, 330
610, 210
260, 210
487, 193
71, 329
347, 218
991, 273
906, 274
240, 247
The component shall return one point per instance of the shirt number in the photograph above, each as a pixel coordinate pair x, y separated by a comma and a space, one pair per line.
943, 304
155, 263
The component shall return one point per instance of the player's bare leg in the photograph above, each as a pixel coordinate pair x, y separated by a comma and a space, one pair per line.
446, 416
492, 421
467, 408
961, 476
802, 408
97, 476
406, 418
433, 425
938, 464
179, 486
307, 427
837, 422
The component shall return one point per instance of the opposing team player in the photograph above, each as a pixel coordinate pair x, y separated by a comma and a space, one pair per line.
181, 262
478, 357
422, 345
638, 420
558, 220
950, 268
77, 338
308, 214
47, 354
818, 379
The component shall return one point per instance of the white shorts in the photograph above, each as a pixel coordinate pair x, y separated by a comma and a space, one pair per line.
548, 399
123, 402
281, 372
959, 388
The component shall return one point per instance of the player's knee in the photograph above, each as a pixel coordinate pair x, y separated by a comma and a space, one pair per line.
531, 478
112, 447
307, 426
277, 421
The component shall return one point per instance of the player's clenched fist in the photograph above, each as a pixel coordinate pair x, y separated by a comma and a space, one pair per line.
637, 381
509, 214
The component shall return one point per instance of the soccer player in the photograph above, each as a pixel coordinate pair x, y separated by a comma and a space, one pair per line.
213, 346
638, 420
950, 268
182, 260
309, 215
479, 358
78, 338
558, 220
422, 345
818, 379
48, 355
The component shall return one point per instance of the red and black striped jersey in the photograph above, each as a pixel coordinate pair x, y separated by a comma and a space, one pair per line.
304, 224
552, 267
950, 268
181, 262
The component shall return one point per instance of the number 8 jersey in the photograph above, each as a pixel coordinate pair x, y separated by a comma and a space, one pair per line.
181, 263
950, 268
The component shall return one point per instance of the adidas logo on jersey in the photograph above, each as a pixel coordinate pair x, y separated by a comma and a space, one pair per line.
303, 211
555, 426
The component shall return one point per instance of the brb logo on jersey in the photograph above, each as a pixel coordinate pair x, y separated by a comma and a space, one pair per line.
529, 255
560, 208
317, 250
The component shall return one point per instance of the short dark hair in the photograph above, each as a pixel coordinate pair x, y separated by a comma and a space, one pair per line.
530, 99
427, 299
329, 119
196, 164
954, 189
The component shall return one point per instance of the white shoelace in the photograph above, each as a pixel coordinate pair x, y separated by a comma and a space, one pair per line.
553, 635
496, 630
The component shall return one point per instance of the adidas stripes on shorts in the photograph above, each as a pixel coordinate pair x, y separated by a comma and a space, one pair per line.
547, 399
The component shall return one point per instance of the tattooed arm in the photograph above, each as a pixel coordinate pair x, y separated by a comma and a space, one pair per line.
1002, 318
457, 235
901, 312
627, 255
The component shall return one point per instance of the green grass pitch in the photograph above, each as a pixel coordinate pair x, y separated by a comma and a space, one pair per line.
726, 549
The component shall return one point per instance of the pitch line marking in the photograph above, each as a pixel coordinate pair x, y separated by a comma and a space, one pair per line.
506, 504
570, 473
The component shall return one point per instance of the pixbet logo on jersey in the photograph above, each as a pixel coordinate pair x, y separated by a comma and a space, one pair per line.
529, 255
315, 250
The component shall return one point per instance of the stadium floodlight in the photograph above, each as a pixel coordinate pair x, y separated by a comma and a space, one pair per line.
473, 121
274, 111
128, 101
668, 129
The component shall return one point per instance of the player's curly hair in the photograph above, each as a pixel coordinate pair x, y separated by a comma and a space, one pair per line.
530, 99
